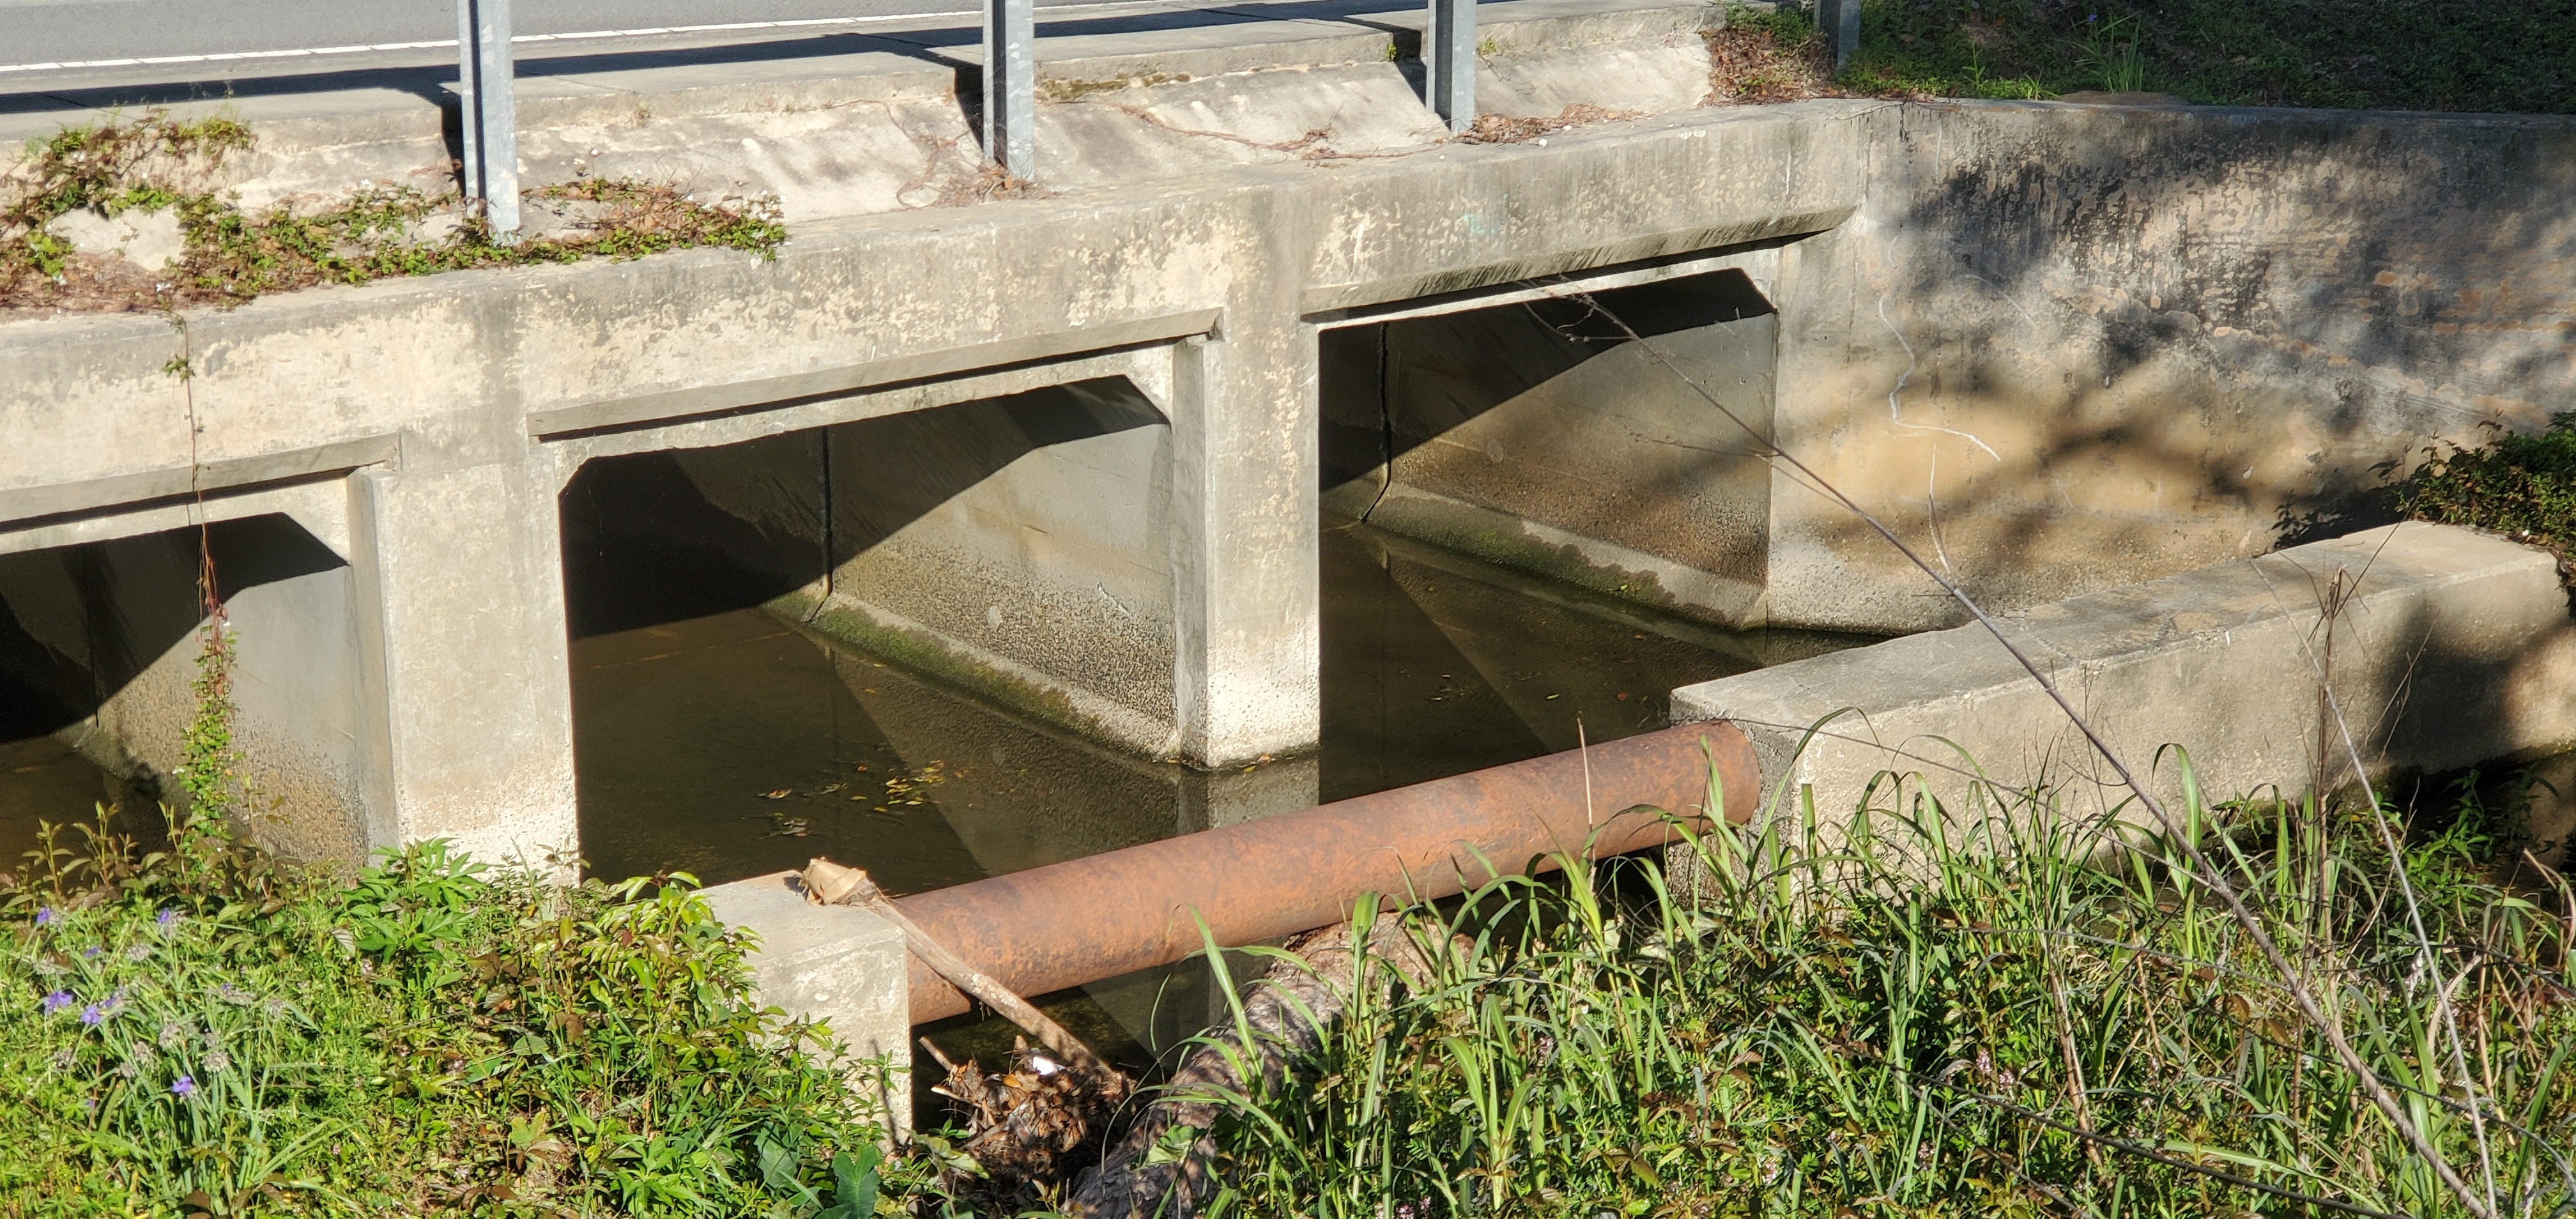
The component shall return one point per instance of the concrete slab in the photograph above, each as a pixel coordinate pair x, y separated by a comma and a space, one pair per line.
2448, 648
838, 965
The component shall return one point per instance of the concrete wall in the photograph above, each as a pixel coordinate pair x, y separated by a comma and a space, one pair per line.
1538, 436
1017, 546
2090, 345
104, 638
2065, 347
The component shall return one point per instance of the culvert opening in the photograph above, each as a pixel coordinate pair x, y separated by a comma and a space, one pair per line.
1535, 528
751, 686
98, 645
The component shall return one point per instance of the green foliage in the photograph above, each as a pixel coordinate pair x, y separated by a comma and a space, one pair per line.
2521, 486
1789, 24
2457, 55
209, 1031
1926, 1011
209, 766
150, 164
111, 168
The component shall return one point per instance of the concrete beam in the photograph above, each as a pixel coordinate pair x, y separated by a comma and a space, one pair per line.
2447, 648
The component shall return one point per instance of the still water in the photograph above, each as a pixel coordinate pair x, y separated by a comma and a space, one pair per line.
738, 744
41, 781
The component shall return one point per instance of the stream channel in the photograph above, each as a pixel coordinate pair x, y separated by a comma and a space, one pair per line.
738, 744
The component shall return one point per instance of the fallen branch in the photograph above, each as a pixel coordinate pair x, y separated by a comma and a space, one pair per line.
831, 884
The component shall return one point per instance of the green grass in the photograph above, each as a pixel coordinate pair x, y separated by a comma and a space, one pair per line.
1969, 1014
208, 1031
2522, 486
2454, 55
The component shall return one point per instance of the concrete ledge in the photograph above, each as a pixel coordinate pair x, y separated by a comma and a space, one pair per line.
28, 507
2451, 648
1603, 567
838, 965
646, 409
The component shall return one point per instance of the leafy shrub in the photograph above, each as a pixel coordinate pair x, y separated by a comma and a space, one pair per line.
2520, 486
208, 1031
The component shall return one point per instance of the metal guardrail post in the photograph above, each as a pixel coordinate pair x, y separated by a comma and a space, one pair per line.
484, 75
1449, 62
1011, 85
1840, 22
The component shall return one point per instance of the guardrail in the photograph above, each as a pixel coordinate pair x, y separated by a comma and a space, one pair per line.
485, 72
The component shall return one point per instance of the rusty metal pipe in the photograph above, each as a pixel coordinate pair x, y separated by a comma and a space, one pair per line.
1098, 917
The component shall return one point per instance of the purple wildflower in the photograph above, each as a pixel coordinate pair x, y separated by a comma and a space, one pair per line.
46, 916
183, 1087
90, 953
168, 918
57, 1001
91, 1014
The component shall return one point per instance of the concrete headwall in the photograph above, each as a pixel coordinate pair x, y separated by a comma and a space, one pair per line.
2058, 347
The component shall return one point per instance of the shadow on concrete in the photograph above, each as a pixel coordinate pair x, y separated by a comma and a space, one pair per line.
1389, 388
77, 623
653, 538
2172, 323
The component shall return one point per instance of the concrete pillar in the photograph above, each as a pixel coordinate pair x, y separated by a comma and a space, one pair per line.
1247, 610
460, 594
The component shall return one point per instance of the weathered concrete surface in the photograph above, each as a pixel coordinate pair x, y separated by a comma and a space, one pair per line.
863, 124
840, 966
2449, 648
2066, 347
2093, 344
104, 647
1536, 436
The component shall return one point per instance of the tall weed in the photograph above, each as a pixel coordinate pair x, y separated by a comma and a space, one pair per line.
1919, 1010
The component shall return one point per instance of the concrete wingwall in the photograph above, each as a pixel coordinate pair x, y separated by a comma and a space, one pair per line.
2067, 347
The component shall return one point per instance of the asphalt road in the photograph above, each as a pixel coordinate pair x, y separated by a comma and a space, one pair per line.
42, 37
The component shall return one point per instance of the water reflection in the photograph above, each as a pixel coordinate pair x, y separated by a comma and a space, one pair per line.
1436, 664
42, 780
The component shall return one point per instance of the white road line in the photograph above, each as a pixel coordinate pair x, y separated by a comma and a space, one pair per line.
584, 36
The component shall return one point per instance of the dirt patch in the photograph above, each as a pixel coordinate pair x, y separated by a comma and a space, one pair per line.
1495, 129
1750, 64
1076, 90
